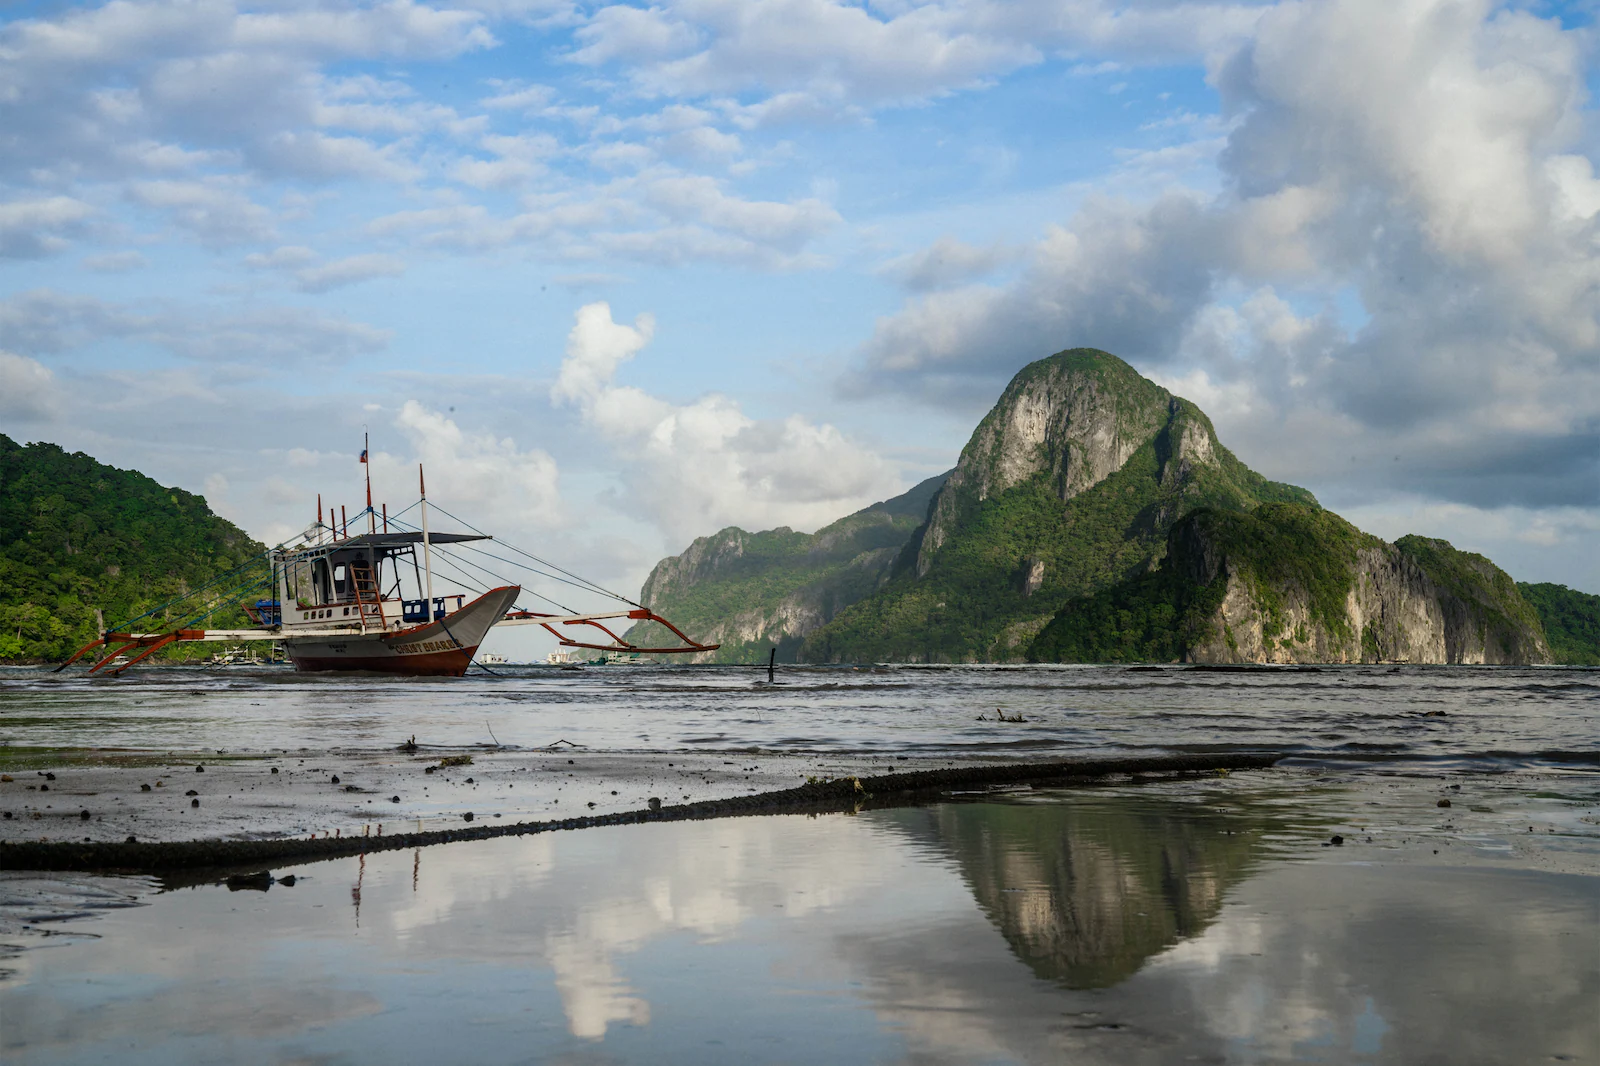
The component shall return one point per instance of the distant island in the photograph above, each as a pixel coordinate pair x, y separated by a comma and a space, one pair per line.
1095, 517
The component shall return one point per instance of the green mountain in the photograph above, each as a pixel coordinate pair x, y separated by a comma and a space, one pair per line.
1292, 583
1069, 485
76, 534
1571, 621
751, 591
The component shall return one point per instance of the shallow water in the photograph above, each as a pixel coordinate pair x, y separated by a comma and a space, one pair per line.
1492, 715
1184, 921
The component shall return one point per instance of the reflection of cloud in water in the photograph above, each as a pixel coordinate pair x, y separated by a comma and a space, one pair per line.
582, 902
1399, 964
1083, 928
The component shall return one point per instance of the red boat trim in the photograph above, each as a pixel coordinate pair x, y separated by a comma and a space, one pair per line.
451, 663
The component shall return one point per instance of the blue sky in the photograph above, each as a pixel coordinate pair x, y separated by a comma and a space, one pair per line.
1360, 234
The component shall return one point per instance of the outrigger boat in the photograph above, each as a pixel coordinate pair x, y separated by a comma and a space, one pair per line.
338, 602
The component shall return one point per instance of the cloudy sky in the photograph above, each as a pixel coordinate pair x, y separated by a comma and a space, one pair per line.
623, 275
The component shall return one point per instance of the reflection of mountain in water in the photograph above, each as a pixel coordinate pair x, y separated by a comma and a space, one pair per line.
1086, 890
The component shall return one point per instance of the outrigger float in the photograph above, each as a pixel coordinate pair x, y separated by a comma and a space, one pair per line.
337, 601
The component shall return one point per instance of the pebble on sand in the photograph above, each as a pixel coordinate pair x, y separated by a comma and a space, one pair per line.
1442, 803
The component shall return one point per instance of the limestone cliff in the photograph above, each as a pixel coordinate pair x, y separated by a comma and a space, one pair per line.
1069, 484
1289, 584
751, 591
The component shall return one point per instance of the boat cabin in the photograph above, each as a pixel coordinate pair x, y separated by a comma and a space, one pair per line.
360, 582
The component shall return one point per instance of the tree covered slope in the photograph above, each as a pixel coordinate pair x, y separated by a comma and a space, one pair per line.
1067, 486
751, 591
1571, 621
1289, 583
76, 534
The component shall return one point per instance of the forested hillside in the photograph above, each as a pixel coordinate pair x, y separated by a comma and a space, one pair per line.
76, 534
1571, 621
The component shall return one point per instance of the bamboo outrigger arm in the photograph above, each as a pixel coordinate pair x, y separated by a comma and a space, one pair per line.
638, 614
118, 643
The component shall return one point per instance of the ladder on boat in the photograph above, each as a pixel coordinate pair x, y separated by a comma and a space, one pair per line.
369, 598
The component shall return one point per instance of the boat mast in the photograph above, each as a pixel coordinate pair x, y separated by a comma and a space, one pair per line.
366, 460
427, 555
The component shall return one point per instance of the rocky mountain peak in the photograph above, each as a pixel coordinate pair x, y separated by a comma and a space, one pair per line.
1077, 417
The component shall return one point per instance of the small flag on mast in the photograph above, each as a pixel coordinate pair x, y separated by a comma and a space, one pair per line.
363, 455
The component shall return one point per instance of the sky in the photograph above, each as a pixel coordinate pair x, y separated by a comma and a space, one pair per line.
623, 275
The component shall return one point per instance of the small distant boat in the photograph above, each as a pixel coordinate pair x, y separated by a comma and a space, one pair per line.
491, 659
236, 656
338, 601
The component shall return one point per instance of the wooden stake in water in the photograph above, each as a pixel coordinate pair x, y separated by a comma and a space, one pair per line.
772, 661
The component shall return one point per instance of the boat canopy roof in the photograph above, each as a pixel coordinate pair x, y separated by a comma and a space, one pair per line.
389, 542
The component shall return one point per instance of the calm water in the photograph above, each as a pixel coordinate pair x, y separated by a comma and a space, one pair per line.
1491, 715
1189, 922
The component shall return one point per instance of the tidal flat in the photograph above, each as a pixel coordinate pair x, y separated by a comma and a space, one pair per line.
1402, 887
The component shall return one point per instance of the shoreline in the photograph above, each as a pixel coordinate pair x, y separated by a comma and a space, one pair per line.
815, 796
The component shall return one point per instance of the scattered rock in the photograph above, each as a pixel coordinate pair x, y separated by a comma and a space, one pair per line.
256, 882
144, 788
287, 882
1433, 714
84, 815
199, 769
336, 779
194, 803
394, 799
410, 745
1530, 828
7, 778
429, 769
49, 777
1442, 803
456, 760
132, 839
654, 802
191, 792
349, 788
467, 817
613, 792
470, 781
1336, 840
1455, 788
591, 803
274, 769
44, 788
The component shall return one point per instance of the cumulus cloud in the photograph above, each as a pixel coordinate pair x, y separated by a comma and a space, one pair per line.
482, 474
944, 264
27, 389
30, 229
699, 466
830, 53
43, 321
661, 215
350, 270
1415, 160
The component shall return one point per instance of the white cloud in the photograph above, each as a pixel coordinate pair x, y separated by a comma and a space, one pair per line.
217, 213
30, 229
27, 389
115, 262
1414, 160
699, 466
479, 475
45, 321
348, 271
945, 263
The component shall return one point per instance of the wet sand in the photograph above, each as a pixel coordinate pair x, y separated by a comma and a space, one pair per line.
242, 811
266, 797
